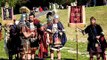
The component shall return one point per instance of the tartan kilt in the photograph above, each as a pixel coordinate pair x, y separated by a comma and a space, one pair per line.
92, 48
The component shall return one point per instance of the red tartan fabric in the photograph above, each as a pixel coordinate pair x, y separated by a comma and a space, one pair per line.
43, 50
102, 38
103, 42
45, 44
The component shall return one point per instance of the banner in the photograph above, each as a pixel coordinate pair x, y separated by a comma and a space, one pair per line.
76, 15
7, 15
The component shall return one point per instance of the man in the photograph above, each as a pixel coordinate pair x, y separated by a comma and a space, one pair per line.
24, 35
43, 47
89, 3
34, 24
29, 31
58, 37
94, 1
96, 40
49, 17
14, 43
105, 2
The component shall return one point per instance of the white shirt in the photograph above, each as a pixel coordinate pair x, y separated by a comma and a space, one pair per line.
32, 27
54, 28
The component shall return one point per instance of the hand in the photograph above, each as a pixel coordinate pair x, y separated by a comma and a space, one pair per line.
33, 34
97, 37
83, 32
48, 41
60, 33
96, 45
14, 17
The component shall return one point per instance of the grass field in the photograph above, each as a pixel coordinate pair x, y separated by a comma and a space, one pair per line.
99, 12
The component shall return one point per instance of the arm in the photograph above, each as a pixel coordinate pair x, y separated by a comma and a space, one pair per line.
85, 31
49, 29
100, 32
26, 34
60, 26
48, 40
37, 23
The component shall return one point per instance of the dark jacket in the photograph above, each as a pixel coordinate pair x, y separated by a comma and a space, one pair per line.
92, 32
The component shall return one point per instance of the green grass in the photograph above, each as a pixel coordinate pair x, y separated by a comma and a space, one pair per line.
99, 12
2, 51
72, 56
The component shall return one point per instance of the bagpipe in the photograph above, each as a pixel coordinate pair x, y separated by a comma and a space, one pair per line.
32, 31
33, 37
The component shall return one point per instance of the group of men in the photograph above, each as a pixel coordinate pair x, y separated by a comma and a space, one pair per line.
29, 35
35, 36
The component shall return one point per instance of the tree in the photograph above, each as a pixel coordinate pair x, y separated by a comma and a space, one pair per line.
82, 2
12, 3
61, 1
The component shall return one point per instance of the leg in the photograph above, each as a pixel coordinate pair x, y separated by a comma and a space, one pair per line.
98, 56
23, 52
94, 2
26, 53
33, 55
33, 50
88, 3
59, 55
10, 57
103, 55
52, 54
22, 56
29, 56
19, 56
91, 56
41, 51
